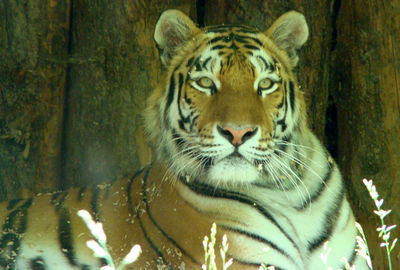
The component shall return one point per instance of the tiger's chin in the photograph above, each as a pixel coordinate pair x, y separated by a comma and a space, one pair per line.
233, 171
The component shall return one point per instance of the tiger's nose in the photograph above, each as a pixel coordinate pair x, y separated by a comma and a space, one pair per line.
236, 136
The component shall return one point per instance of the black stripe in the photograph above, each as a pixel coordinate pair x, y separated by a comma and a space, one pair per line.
291, 95
180, 86
280, 105
148, 239
151, 243
251, 47
205, 161
329, 222
171, 91
226, 27
233, 46
205, 62
65, 235
187, 99
216, 39
94, 203
282, 121
12, 203
259, 239
131, 209
217, 30
218, 47
210, 191
38, 264
267, 65
131, 181
256, 40
9, 247
242, 41
64, 227
193, 122
181, 125
14, 226
190, 62
198, 66
178, 140
155, 223
247, 31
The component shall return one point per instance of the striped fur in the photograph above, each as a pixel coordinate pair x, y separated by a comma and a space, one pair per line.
233, 147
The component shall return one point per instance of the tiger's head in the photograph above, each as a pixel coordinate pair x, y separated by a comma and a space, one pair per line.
228, 97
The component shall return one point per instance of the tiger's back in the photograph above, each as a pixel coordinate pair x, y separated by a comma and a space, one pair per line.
45, 232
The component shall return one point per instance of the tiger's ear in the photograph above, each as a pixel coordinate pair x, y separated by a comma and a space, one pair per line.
173, 29
289, 32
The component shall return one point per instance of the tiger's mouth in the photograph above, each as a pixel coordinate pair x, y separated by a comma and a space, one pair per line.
221, 160
234, 168
235, 158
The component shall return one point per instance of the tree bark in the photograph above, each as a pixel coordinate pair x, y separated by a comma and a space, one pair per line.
33, 46
115, 67
97, 57
366, 87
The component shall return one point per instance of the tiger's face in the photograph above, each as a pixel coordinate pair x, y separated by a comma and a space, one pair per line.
229, 98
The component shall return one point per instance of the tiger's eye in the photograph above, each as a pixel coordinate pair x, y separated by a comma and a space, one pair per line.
265, 84
205, 82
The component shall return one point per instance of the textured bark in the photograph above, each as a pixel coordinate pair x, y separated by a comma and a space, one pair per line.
115, 66
33, 48
97, 57
367, 96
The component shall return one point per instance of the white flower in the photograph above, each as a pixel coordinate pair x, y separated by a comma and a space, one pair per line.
132, 255
379, 203
382, 213
96, 248
367, 183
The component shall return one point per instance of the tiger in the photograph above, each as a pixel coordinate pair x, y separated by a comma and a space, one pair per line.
232, 146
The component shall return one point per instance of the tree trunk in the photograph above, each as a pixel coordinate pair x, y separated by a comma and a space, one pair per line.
366, 89
33, 49
114, 67
97, 57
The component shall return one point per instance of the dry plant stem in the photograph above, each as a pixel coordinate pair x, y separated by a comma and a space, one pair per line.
99, 245
209, 251
384, 231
